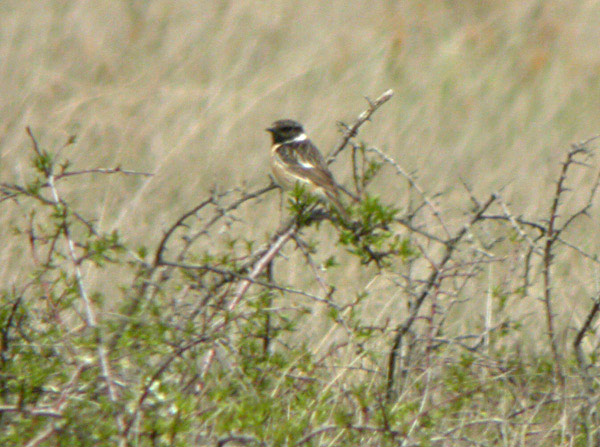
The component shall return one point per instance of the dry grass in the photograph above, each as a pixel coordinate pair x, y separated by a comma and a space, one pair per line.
444, 345
488, 92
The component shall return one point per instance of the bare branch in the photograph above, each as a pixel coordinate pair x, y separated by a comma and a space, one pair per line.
431, 284
352, 131
412, 182
117, 170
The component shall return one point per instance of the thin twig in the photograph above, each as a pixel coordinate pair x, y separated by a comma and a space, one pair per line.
412, 182
431, 283
581, 333
352, 131
552, 233
261, 265
90, 320
158, 257
117, 170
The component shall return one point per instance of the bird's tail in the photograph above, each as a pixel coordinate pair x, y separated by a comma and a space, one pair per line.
334, 198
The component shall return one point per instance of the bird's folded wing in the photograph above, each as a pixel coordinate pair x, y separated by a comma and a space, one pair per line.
305, 166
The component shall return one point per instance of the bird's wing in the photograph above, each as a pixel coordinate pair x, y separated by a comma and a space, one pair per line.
304, 161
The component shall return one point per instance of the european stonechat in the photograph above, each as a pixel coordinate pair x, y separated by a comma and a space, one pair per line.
295, 159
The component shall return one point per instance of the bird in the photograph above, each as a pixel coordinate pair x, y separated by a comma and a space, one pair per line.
295, 159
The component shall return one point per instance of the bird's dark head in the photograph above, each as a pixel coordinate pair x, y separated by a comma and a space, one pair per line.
285, 130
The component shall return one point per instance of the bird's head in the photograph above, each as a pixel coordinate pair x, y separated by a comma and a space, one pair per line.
285, 130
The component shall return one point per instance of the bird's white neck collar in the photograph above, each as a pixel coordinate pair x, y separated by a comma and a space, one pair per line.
298, 139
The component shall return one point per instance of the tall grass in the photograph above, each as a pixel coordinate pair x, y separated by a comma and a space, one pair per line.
400, 332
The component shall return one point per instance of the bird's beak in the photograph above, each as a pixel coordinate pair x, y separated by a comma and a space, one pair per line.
270, 129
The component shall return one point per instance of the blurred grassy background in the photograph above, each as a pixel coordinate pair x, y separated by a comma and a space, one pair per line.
490, 92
